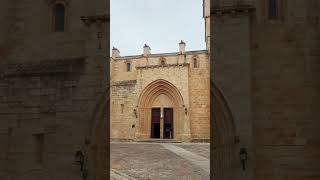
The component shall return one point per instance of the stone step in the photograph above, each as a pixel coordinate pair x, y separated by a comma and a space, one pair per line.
159, 140
117, 175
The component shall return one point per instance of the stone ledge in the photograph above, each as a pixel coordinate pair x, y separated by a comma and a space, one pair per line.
161, 55
43, 68
200, 140
159, 66
117, 175
124, 83
150, 140
120, 140
232, 9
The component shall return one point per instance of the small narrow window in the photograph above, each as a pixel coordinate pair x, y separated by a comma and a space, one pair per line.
59, 17
122, 107
162, 61
128, 67
39, 147
273, 8
195, 63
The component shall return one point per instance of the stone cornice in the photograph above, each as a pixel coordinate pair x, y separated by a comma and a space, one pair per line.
124, 83
43, 68
50, 2
232, 10
160, 66
161, 55
95, 19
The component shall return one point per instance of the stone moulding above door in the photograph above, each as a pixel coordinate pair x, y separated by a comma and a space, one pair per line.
49, 2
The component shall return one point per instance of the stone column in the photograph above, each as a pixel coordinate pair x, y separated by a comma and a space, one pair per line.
161, 122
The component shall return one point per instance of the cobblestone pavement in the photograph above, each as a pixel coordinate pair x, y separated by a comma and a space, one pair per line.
201, 149
153, 161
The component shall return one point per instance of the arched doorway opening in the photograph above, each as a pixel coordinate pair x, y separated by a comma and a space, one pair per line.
223, 150
96, 147
160, 109
162, 125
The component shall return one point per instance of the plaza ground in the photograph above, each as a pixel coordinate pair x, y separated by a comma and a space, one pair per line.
165, 161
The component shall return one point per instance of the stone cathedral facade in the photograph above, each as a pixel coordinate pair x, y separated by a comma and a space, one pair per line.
160, 96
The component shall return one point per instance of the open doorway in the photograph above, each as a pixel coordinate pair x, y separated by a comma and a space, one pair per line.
168, 123
155, 123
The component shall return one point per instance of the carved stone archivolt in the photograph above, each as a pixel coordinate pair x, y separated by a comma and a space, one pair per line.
97, 138
149, 97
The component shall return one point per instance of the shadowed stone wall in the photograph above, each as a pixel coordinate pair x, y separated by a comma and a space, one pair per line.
268, 70
50, 84
285, 80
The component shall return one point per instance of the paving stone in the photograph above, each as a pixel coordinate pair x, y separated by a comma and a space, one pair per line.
153, 161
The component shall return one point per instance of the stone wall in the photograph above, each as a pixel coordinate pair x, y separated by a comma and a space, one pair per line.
286, 93
268, 70
206, 14
33, 35
47, 99
231, 73
50, 87
199, 93
123, 101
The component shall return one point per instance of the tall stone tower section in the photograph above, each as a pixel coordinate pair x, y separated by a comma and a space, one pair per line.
265, 68
285, 89
54, 89
206, 16
231, 28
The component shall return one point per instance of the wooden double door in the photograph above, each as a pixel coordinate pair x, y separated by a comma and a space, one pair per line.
167, 123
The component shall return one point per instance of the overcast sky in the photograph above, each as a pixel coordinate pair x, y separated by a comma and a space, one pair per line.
161, 24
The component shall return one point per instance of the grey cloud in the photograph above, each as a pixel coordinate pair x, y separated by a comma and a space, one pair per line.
160, 23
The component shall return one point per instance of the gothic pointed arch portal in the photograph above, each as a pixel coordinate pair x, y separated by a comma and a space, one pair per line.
223, 150
96, 147
161, 94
